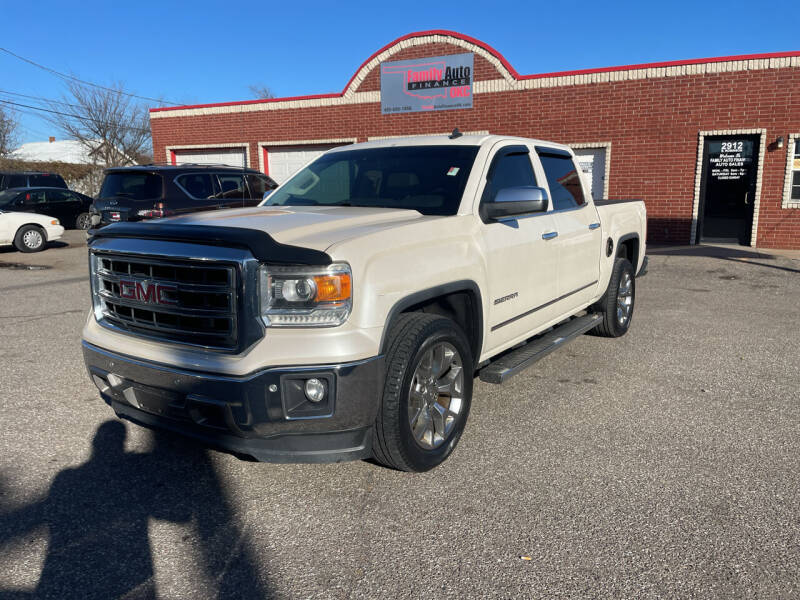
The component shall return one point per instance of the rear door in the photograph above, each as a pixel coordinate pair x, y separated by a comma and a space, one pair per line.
62, 204
578, 227
521, 259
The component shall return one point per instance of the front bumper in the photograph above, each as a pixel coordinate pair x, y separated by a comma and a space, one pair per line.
263, 415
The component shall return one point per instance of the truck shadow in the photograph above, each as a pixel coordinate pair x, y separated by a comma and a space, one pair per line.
97, 518
741, 255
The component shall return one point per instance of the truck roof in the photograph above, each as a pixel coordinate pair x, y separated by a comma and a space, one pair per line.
445, 140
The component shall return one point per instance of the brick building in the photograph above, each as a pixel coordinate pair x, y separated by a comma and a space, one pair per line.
711, 145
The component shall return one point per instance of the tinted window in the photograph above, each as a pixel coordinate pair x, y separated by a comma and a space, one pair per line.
32, 198
46, 180
17, 181
508, 170
258, 185
429, 179
197, 185
137, 186
563, 180
7, 197
231, 186
58, 196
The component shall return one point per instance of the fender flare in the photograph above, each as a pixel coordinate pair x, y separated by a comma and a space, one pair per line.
464, 285
631, 236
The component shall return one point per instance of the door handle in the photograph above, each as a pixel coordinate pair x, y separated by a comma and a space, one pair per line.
549, 235
594, 225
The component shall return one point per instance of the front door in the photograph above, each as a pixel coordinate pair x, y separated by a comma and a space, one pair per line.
727, 188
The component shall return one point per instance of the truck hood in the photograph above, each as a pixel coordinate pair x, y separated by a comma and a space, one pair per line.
316, 227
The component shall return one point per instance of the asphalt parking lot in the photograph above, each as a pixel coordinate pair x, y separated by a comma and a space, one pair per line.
662, 464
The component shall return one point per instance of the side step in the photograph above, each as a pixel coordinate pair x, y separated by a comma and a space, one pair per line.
517, 360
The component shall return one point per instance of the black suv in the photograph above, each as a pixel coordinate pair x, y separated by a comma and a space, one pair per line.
152, 191
23, 179
71, 208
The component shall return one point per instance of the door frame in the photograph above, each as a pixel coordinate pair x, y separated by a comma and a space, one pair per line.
698, 179
598, 146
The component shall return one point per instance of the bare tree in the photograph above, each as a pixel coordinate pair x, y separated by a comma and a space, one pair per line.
260, 91
110, 123
8, 131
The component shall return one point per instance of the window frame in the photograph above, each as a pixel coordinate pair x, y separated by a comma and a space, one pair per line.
792, 147
501, 153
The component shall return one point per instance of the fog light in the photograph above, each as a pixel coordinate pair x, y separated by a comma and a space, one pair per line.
315, 390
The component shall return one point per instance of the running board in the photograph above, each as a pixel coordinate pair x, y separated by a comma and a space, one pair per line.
508, 365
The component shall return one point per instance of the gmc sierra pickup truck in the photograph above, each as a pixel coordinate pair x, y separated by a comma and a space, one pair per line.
347, 315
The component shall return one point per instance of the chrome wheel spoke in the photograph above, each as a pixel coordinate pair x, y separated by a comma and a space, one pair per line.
435, 395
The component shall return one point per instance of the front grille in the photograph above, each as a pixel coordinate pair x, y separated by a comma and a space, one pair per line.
186, 301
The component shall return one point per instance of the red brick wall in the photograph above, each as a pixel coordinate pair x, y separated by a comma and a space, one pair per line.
653, 125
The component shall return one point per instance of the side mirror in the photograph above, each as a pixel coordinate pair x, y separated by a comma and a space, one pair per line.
515, 202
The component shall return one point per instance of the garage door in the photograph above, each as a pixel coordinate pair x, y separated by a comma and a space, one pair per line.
285, 161
234, 157
593, 163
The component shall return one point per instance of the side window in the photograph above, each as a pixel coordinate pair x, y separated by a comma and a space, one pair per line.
257, 186
17, 181
563, 180
508, 170
232, 186
198, 185
58, 197
33, 198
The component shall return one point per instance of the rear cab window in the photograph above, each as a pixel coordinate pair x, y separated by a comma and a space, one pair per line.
134, 185
47, 180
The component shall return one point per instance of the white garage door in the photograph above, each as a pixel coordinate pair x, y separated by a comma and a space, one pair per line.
285, 161
234, 157
593, 163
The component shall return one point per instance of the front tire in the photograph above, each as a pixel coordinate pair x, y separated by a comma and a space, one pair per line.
427, 393
30, 238
617, 303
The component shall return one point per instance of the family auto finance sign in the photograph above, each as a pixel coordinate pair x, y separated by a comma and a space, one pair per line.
427, 84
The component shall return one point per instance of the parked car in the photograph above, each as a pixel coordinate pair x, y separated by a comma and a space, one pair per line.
152, 191
71, 208
347, 316
28, 232
11, 179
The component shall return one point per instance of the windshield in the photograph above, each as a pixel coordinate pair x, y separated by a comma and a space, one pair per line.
429, 179
134, 185
7, 196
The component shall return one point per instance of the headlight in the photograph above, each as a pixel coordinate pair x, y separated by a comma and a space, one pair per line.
305, 296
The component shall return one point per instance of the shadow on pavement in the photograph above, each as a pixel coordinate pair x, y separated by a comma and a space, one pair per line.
97, 516
738, 254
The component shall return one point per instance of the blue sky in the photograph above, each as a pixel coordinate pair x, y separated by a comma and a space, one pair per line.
211, 51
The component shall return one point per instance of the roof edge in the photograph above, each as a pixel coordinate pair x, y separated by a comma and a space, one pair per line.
491, 50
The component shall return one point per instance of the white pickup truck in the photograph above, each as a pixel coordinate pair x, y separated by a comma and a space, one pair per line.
347, 316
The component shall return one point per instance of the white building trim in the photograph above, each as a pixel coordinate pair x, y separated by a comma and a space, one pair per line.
607, 147
245, 145
787, 202
699, 176
267, 145
503, 83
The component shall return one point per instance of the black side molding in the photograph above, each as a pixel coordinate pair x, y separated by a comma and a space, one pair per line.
260, 243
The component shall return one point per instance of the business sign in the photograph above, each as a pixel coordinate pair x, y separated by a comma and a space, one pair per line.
427, 84
730, 161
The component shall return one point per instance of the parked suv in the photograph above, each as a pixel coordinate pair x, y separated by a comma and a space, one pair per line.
10, 179
71, 208
150, 191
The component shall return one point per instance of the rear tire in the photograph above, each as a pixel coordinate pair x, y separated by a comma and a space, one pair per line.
30, 238
83, 221
427, 393
617, 303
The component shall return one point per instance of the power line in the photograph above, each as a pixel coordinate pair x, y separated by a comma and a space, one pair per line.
74, 116
73, 78
42, 98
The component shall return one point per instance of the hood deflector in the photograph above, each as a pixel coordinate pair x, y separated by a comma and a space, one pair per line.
260, 243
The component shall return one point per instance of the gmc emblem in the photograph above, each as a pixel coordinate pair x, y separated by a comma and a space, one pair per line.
148, 292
